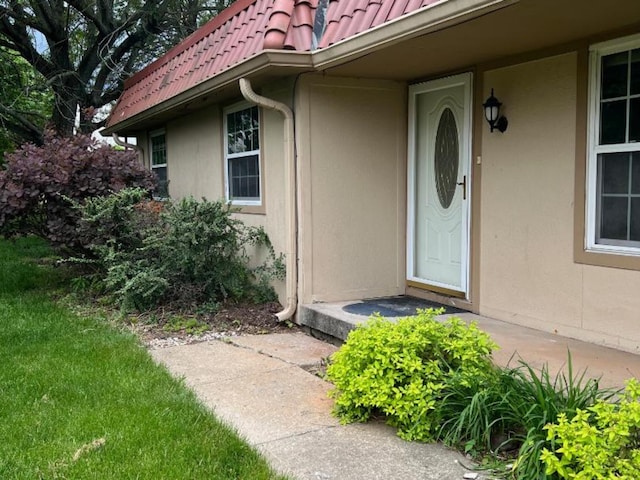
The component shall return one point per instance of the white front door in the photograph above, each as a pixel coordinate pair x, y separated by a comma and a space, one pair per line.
439, 184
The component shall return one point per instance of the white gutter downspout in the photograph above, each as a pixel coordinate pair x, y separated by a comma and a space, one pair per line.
125, 144
290, 194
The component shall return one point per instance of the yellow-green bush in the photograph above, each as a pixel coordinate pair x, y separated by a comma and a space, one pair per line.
600, 442
403, 369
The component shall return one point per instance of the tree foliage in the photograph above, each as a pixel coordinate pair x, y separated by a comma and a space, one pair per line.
84, 49
25, 102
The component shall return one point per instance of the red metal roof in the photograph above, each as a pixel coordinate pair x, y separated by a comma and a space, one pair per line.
243, 30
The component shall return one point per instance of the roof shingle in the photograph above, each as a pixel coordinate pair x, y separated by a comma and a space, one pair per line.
242, 31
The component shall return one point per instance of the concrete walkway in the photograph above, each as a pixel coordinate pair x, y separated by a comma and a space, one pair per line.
538, 348
262, 386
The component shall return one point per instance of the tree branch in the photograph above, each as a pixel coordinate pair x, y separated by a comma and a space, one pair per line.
21, 122
84, 9
16, 38
92, 44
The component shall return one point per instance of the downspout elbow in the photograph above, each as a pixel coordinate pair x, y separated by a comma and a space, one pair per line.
290, 196
126, 144
249, 94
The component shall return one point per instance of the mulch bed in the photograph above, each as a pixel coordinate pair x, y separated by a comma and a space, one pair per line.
247, 319
155, 327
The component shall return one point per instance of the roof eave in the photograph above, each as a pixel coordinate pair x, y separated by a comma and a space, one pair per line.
421, 22
295, 62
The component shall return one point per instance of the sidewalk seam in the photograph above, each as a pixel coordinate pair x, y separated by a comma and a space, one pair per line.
297, 435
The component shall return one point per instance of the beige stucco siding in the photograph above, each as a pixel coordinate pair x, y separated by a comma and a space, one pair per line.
194, 149
352, 157
527, 272
273, 164
611, 305
143, 143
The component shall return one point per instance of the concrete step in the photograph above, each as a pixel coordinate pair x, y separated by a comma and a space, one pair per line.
337, 319
330, 322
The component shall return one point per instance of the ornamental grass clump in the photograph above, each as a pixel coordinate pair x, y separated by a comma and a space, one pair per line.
505, 418
404, 369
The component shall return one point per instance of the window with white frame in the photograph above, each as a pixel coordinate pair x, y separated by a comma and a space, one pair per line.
613, 213
158, 149
242, 155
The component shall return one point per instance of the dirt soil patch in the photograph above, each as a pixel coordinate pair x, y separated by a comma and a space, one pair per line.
248, 319
166, 327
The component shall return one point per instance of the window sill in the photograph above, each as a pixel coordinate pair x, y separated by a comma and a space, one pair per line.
249, 209
608, 259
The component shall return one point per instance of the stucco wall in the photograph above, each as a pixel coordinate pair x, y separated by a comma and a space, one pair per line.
194, 149
527, 272
351, 137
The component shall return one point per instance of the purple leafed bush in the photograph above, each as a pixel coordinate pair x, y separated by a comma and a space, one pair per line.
39, 185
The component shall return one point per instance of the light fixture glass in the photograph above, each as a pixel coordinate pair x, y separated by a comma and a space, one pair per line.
492, 114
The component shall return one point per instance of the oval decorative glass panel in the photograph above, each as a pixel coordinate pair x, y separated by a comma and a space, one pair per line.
446, 158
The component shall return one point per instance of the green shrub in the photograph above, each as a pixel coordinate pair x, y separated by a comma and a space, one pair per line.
205, 247
181, 252
599, 442
136, 284
403, 370
120, 219
435, 381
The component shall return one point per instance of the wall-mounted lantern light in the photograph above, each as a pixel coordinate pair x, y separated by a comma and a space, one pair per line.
492, 114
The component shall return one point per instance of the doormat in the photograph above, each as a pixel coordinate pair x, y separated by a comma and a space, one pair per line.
396, 307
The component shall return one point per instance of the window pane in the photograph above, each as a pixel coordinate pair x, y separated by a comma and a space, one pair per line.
235, 187
613, 218
634, 228
244, 180
635, 71
243, 130
615, 172
231, 122
239, 168
614, 75
248, 141
158, 150
256, 128
253, 187
245, 119
613, 120
252, 168
635, 173
256, 138
446, 158
634, 120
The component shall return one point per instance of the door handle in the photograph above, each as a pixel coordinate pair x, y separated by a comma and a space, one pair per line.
463, 183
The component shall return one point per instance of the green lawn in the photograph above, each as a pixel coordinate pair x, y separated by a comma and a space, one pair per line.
80, 400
